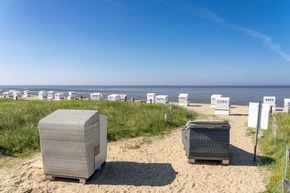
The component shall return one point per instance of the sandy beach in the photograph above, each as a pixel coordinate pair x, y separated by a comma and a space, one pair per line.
156, 164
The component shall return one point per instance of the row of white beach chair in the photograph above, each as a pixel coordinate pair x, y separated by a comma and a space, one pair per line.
218, 102
222, 104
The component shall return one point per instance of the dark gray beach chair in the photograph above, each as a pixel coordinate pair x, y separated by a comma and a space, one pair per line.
206, 140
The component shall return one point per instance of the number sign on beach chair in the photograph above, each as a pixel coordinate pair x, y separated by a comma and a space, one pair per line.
222, 106
271, 100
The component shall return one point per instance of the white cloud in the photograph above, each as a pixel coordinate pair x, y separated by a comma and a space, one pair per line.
212, 16
267, 41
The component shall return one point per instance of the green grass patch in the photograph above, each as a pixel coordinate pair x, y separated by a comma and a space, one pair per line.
19, 120
275, 151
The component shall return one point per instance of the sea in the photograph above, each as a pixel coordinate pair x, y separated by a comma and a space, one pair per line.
239, 95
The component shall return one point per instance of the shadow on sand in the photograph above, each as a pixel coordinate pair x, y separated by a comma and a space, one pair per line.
133, 173
240, 157
239, 115
160, 174
192, 105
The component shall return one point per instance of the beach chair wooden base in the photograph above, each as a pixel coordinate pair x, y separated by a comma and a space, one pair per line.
81, 180
224, 162
50, 177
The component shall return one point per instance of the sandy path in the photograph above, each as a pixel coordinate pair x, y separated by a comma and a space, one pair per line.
154, 165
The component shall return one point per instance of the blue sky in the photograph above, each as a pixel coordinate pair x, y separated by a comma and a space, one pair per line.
141, 42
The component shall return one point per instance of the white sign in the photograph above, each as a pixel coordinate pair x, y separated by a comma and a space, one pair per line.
253, 115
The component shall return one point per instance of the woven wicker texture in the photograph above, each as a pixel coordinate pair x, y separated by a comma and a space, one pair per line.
67, 140
206, 139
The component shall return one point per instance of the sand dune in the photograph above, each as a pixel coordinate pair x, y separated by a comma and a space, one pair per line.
154, 164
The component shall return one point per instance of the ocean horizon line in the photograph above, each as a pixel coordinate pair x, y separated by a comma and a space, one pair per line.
154, 85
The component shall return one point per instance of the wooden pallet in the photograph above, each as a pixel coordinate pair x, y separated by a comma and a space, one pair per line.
224, 162
52, 177
81, 180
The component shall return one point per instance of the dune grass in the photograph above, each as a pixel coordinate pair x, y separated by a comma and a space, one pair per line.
275, 151
19, 120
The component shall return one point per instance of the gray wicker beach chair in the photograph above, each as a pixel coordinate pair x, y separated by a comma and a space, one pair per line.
71, 143
206, 140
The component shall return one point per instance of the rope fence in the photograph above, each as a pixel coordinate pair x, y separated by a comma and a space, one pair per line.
285, 184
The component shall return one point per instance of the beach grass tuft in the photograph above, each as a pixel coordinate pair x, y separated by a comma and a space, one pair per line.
19, 120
